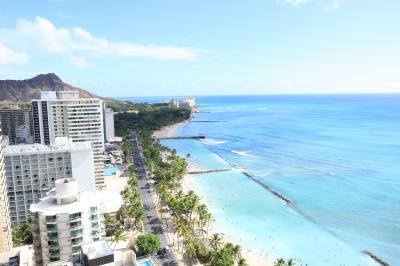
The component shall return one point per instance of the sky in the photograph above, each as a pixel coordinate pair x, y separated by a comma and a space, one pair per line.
191, 47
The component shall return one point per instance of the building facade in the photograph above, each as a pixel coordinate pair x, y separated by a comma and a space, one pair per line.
63, 221
5, 225
31, 171
67, 115
184, 103
14, 121
109, 129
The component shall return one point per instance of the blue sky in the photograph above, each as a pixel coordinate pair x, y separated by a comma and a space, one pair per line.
151, 48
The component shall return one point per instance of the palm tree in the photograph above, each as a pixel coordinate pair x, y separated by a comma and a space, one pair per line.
215, 241
290, 262
237, 252
242, 262
133, 181
280, 262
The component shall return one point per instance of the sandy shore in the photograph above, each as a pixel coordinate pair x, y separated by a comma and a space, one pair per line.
168, 131
252, 257
189, 183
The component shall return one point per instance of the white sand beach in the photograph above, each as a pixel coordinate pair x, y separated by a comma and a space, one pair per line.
252, 257
168, 131
189, 183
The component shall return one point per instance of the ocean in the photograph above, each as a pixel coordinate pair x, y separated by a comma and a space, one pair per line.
336, 157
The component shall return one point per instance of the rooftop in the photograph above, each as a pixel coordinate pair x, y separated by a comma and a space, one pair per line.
62, 144
97, 249
51, 205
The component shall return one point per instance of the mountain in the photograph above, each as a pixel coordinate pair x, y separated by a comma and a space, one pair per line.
27, 89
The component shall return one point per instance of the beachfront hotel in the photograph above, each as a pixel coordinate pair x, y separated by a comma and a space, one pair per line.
31, 170
5, 225
63, 221
65, 114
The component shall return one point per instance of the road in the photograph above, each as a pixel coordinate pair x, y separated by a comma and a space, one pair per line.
152, 221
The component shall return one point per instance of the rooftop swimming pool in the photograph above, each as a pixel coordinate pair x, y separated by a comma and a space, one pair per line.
109, 171
145, 262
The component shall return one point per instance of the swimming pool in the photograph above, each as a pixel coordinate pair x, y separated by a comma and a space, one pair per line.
145, 262
108, 171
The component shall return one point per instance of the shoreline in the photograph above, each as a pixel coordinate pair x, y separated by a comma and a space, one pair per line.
189, 183
168, 131
252, 257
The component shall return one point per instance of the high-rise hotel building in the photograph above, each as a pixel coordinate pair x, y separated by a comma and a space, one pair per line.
65, 114
5, 225
63, 221
32, 170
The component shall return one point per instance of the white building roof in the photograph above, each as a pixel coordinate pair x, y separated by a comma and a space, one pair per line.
97, 249
61, 145
49, 206
65, 189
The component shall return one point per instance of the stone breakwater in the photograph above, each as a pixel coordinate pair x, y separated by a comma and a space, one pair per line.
276, 193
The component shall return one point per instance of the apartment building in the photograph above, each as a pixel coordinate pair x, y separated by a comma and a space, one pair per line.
17, 125
65, 114
5, 225
63, 221
31, 170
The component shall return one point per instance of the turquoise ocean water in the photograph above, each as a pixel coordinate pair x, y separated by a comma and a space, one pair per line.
337, 157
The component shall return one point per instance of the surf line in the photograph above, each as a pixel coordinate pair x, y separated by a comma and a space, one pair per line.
276, 193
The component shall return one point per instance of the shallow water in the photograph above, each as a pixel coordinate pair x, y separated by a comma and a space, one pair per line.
336, 157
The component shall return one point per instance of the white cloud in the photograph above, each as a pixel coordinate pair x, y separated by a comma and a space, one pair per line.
328, 5
333, 6
8, 56
78, 61
295, 2
77, 44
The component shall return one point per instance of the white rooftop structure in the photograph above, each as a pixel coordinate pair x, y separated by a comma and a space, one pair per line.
97, 249
64, 221
66, 197
61, 143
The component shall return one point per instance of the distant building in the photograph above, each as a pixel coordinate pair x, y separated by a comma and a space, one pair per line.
17, 125
109, 129
32, 169
64, 221
23, 135
5, 225
68, 115
184, 103
18, 256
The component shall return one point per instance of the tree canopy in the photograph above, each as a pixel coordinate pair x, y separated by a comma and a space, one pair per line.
148, 243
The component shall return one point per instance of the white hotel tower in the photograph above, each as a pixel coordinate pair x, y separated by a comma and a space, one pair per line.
63, 221
68, 115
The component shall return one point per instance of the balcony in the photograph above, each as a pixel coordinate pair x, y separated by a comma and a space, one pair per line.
51, 227
76, 241
54, 258
76, 249
52, 235
51, 219
75, 216
54, 251
93, 210
53, 244
94, 217
75, 225
76, 233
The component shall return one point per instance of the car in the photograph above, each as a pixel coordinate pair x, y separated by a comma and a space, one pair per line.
166, 249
